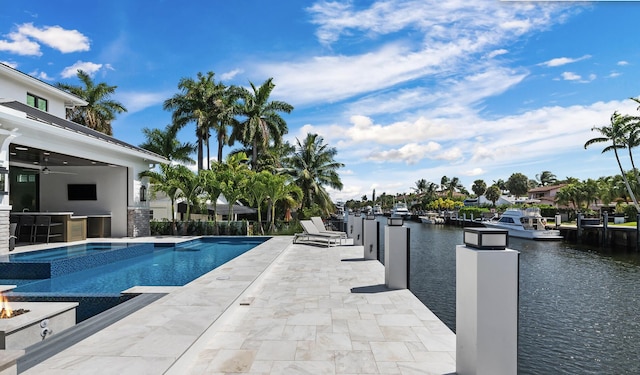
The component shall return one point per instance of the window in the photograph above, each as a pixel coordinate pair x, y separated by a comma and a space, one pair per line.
38, 102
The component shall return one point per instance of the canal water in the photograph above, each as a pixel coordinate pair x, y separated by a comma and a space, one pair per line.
579, 307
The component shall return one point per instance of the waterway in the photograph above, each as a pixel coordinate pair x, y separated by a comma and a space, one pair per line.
579, 309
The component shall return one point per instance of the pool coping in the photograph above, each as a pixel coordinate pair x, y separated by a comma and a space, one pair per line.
156, 322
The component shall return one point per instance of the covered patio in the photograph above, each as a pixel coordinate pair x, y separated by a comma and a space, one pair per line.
53, 167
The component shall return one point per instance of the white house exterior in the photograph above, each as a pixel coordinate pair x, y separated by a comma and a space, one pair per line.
39, 146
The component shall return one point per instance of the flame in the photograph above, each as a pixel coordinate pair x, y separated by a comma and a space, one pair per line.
5, 309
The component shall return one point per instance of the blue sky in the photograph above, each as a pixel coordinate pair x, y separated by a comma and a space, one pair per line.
404, 90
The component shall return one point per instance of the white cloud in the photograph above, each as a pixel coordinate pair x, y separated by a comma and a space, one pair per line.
230, 75
11, 64
41, 75
87, 67
570, 76
20, 45
559, 61
497, 52
138, 101
410, 153
474, 172
623, 63
26, 40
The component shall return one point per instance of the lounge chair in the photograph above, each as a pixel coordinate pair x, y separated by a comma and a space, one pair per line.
312, 234
317, 221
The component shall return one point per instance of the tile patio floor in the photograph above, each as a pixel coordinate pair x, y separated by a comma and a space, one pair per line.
278, 309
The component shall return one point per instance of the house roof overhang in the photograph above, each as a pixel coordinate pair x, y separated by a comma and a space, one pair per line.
47, 132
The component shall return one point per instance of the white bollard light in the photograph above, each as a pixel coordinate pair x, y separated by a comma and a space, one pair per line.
350, 219
358, 225
371, 238
486, 304
396, 254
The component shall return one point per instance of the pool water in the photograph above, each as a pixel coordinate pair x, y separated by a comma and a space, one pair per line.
165, 266
66, 252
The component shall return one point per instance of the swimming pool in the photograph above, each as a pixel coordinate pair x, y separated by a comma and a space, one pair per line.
164, 266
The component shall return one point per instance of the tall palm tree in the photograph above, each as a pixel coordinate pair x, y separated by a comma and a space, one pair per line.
195, 103
263, 122
165, 143
233, 176
212, 190
226, 107
279, 189
614, 133
100, 111
312, 167
421, 186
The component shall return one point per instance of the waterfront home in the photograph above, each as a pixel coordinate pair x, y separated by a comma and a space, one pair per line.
55, 167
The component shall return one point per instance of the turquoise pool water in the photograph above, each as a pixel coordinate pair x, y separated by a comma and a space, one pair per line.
165, 266
65, 252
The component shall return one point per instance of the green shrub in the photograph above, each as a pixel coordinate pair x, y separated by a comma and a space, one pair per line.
469, 211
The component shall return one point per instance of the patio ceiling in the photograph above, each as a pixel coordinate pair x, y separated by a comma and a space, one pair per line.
39, 158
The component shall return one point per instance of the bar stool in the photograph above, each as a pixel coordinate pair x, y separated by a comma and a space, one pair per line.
25, 227
44, 222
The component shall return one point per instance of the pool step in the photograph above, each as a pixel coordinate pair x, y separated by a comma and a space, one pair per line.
39, 352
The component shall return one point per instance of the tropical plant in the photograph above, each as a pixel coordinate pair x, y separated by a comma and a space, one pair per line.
493, 194
451, 185
165, 143
479, 187
211, 189
167, 182
313, 167
233, 176
279, 189
100, 110
518, 184
225, 107
263, 123
195, 103
546, 178
256, 192
614, 134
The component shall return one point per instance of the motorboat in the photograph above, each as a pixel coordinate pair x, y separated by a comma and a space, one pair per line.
400, 210
431, 218
377, 210
524, 223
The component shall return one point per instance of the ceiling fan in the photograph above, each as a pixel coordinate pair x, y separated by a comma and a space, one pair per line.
45, 170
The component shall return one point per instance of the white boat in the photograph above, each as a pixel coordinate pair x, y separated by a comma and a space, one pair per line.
431, 218
400, 210
377, 210
526, 223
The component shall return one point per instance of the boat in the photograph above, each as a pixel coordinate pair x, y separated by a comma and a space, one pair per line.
377, 210
400, 210
431, 218
527, 223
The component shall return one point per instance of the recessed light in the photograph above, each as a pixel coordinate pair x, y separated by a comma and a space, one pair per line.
93, 162
21, 148
65, 162
46, 153
13, 153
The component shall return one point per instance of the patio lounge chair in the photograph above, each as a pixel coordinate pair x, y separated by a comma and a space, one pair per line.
312, 234
317, 221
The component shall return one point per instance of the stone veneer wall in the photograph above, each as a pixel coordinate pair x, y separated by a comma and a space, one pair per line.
4, 231
138, 222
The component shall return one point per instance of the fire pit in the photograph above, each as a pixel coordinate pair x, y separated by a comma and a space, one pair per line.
26, 323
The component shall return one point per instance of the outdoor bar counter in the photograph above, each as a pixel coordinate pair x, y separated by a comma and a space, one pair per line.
76, 228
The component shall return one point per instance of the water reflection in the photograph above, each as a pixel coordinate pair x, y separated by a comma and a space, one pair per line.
578, 307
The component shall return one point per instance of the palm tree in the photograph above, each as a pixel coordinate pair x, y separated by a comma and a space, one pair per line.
451, 185
479, 187
100, 111
195, 103
615, 133
165, 143
421, 186
212, 190
256, 192
312, 167
233, 176
546, 178
493, 193
167, 182
279, 189
263, 124
226, 107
